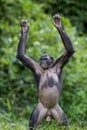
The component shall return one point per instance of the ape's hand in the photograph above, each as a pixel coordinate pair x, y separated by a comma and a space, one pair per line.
24, 26
57, 21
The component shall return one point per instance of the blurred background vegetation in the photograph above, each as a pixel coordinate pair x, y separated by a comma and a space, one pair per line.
18, 92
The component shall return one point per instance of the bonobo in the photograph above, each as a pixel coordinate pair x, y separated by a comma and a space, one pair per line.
48, 76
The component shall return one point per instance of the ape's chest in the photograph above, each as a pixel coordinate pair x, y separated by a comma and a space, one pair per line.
49, 79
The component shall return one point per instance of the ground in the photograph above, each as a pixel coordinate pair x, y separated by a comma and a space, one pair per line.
8, 121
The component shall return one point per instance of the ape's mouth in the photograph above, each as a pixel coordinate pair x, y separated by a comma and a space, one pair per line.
44, 66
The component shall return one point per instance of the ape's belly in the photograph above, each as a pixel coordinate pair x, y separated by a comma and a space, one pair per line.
49, 96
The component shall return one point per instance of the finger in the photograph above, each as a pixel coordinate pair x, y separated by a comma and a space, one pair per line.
57, 16
23, 22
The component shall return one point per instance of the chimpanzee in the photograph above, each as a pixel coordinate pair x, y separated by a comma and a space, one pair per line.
48, 76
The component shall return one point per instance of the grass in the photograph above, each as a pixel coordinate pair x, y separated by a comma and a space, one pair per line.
8, 121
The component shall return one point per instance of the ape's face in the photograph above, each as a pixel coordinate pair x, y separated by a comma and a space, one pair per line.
46, 61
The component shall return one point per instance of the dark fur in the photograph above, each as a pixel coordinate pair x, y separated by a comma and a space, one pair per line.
33, 118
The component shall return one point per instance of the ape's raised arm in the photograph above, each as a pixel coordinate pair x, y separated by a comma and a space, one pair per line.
27, 61
69, 50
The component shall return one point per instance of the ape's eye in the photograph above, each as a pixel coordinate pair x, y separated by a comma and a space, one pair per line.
41, 58
45, 58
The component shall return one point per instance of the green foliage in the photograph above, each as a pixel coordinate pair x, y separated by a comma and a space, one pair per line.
17, 88
74, 10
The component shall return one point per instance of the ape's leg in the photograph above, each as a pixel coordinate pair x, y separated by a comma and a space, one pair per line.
38, 114
60, 116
